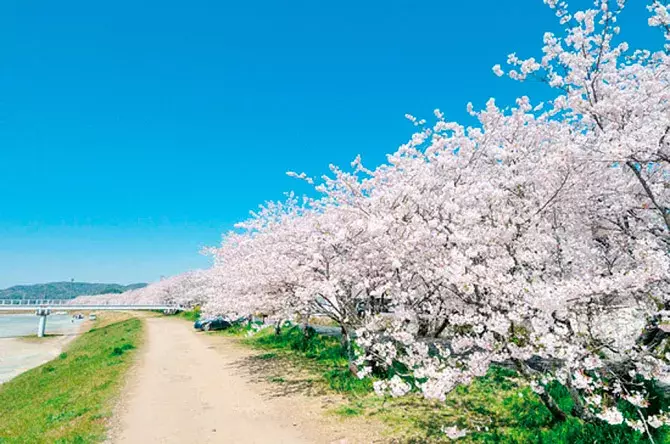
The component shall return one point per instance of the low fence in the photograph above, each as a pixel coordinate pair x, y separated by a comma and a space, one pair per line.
49, 302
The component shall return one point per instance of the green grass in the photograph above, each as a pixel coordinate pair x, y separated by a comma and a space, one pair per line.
237, 329
497, 408
69, 399
267, 356
190, 315
321, 354
355, 409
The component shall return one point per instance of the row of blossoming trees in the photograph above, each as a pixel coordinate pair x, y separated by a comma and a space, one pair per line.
186, 289
537, 238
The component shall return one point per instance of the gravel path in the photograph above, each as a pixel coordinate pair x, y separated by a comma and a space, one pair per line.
197, 388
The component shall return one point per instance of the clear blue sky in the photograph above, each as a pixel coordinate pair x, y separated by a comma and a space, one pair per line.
132, 133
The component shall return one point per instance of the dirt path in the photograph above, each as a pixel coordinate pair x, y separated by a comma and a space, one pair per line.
190, 388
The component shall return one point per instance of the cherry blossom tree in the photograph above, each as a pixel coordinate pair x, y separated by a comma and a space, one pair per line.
577, 235
536, 238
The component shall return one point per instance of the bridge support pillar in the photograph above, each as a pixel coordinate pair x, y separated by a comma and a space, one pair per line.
42, 326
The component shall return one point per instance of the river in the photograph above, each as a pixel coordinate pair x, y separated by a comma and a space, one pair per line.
15, 325
19, 354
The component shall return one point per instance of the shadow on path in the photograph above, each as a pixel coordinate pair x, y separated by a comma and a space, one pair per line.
286, 377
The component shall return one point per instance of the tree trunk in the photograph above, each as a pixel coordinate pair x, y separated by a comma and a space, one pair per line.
424, 327
441, 328
578, 409
306, 325
345, 342
278, 327
558, 414
344, 339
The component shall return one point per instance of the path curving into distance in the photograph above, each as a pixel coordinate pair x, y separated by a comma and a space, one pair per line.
183, 391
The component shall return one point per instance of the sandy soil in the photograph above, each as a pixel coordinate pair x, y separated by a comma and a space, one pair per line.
195, 388
18, 354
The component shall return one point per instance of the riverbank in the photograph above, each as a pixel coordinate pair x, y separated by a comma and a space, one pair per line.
69, 398
25, 324
22, 350
22, 354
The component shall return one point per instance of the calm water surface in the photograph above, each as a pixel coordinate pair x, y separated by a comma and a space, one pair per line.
26, 324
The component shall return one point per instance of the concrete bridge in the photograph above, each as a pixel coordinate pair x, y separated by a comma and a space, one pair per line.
43, 308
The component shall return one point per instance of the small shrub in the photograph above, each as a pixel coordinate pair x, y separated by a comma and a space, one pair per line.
191, 315
118, 351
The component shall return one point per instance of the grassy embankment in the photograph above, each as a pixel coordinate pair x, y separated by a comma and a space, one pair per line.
498, 408
69, 399
191, 315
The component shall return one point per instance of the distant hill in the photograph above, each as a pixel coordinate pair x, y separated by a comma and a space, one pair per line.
63, 290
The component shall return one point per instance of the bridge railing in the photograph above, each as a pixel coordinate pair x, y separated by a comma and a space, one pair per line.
16, 303
33, 302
